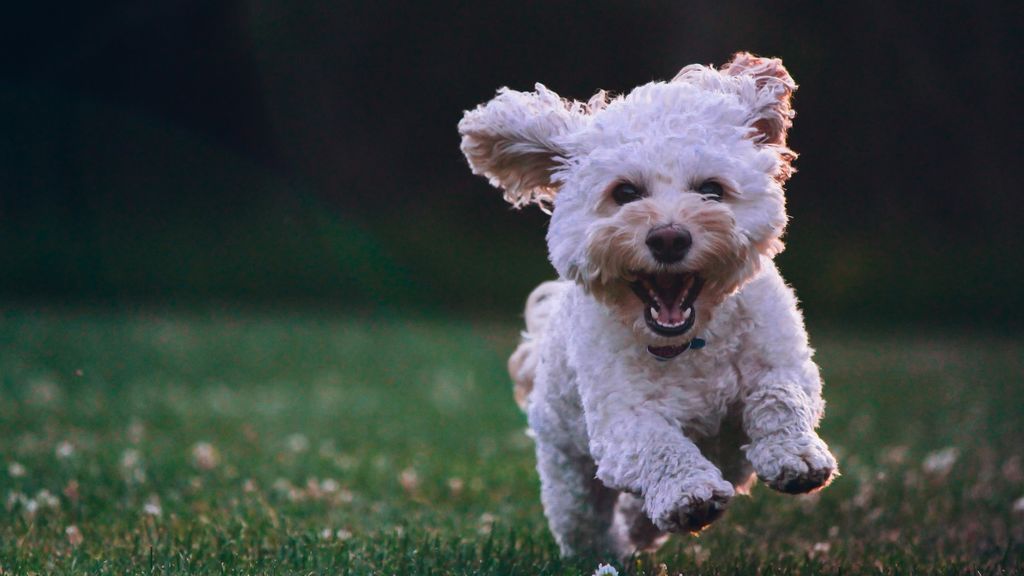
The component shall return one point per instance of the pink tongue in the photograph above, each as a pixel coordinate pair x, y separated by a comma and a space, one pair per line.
670, 288
672, 315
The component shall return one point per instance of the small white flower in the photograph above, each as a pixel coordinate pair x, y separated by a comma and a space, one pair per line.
409, 479
455, 486
64, 450
42, 392
298, 443
820, 549
486, 523
136, 431
47, 500
130, 459
205, 456
16, 470
342, 534
74, 535
152, 506
940, 462
131, 467
605, 570
326, 534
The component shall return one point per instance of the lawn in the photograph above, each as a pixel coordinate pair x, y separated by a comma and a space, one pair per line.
231, 442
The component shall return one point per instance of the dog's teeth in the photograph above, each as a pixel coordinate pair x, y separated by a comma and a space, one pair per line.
686, 314
654, 312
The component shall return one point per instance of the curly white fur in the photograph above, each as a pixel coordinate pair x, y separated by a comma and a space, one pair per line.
628, 446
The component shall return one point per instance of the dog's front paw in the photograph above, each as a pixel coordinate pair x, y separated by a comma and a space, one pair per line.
690, 507
793, 464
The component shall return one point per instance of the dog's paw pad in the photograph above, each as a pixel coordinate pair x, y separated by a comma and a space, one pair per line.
803, 483
700, 515
693, 514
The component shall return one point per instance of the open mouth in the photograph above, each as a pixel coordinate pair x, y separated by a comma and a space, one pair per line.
668, 299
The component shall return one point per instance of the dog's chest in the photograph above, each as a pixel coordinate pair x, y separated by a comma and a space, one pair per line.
696, 389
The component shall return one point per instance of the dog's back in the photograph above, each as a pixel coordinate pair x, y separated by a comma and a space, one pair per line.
522, 365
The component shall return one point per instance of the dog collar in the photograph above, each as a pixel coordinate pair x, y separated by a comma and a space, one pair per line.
665, 353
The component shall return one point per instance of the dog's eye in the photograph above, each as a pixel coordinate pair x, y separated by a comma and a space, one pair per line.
711, 189
625, 193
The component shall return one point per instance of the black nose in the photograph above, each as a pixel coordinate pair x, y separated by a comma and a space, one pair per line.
668, 243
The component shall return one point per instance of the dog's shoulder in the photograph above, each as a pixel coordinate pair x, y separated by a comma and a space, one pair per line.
767, 293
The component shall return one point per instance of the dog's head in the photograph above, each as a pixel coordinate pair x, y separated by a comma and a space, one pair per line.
663, 201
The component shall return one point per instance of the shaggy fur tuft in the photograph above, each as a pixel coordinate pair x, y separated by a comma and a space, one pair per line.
658, 382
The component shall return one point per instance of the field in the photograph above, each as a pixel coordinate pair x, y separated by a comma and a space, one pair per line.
244, 442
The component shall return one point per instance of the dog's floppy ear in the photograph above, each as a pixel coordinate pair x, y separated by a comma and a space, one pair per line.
516, 141
772, 115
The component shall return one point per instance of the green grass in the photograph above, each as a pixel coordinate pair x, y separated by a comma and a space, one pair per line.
258, 442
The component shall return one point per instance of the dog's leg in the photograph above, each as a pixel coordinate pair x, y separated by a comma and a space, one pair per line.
633, 529
578, 506
780, 418
781, 392
682, 490
639, 450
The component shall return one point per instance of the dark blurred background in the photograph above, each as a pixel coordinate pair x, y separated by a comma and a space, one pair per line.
305, 152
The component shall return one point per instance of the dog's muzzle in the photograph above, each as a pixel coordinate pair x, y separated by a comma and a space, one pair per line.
668, 299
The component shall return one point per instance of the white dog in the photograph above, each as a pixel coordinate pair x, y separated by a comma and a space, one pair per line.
669, 363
